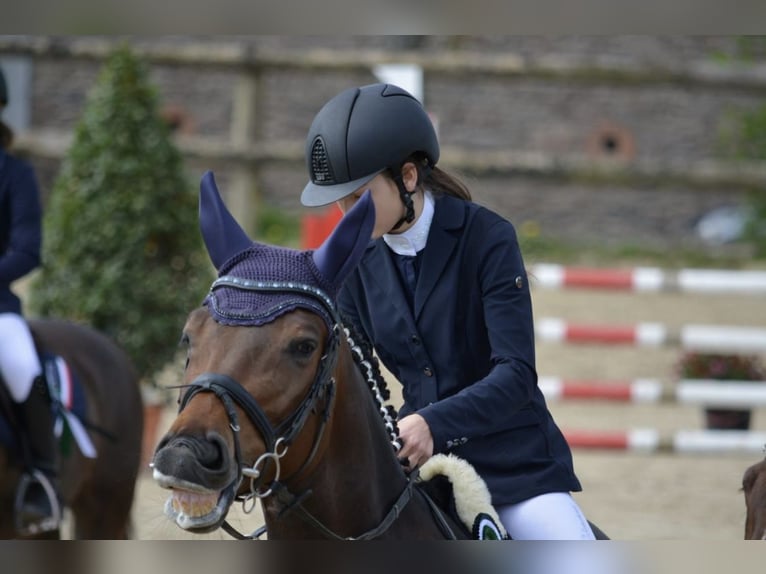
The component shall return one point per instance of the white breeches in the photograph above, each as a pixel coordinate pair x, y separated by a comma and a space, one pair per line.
551, 516
19, 364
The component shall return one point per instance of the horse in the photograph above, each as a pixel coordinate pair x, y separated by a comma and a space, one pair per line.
276, 404
754, 487
284, 405
98, 491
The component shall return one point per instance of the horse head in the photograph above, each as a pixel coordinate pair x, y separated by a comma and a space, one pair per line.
754, 487
263, 366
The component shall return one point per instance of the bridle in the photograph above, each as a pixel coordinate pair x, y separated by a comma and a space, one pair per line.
278, 440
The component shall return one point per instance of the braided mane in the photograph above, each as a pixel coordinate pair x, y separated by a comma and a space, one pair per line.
369, 366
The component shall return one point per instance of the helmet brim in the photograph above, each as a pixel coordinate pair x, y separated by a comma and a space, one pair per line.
314, 195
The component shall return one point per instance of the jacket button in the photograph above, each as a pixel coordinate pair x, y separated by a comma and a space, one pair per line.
415, 340
428, 372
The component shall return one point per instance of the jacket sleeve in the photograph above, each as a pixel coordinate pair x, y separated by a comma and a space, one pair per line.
497, 401
22, 253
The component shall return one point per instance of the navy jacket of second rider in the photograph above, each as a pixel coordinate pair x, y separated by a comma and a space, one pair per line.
20, 227
464, 350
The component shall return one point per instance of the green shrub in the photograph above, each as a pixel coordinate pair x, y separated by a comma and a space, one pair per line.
278, 227
122, 250
750, 144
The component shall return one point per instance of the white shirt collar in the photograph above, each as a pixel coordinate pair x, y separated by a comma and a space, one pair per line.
414, 239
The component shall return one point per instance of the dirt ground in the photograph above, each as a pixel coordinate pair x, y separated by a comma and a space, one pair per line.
630, 496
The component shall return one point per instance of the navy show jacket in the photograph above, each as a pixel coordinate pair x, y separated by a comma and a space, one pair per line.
20, 227
465, 351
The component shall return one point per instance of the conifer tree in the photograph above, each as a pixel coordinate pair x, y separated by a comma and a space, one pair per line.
121, 247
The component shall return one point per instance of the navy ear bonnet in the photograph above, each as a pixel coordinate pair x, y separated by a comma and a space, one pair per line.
266, 264
258, 282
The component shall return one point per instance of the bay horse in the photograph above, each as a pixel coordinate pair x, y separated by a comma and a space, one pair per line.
754, 487
276, 404
97, 491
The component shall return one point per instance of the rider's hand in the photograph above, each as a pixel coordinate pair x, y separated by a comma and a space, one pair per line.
417, 441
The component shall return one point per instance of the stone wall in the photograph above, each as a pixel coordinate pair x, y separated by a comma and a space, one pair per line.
526, 120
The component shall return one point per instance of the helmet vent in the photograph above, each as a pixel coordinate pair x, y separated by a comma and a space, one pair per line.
321, 172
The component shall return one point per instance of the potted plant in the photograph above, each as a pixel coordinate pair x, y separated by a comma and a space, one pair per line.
723, 367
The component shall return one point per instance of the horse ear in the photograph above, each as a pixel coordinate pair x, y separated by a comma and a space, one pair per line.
340, 252
223, 236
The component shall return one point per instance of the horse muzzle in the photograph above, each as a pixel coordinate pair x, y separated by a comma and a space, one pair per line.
202, 477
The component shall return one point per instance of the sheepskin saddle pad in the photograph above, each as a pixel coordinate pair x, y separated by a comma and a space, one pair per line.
460, 491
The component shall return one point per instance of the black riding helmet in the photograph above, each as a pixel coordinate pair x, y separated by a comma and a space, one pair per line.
360, 133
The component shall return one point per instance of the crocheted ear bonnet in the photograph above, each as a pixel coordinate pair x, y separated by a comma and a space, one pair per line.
259, 282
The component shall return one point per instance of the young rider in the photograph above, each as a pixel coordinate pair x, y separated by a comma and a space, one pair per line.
442, 294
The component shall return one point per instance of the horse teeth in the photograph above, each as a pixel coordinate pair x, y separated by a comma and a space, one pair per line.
193, 504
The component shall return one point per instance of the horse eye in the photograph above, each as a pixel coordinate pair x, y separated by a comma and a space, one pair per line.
303, 347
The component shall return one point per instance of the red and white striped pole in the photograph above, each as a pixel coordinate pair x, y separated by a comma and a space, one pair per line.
635, 391
701, 338
722, 394
648, 279
707, 392
722, 339
640, 440
684, 441
642, 334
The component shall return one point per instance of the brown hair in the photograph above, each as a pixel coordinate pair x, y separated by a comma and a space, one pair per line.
438, 181
442, 183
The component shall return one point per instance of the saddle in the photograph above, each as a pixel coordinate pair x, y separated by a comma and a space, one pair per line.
457, 489
68, 402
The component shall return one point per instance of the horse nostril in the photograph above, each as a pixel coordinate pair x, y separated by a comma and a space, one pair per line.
209, 452
163, 442
217, 452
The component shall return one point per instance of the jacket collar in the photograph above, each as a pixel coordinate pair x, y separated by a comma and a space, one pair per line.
414, 239
448, 219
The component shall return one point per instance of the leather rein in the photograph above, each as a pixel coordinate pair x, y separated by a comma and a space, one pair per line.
279, 439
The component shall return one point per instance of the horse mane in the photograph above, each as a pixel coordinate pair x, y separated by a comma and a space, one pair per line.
452, 482
369, 366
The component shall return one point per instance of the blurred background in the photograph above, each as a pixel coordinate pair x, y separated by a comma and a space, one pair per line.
625, 145
606, 152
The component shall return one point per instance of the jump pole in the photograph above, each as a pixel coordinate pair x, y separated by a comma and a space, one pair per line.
708, 392
700, 338
649, 279
635, 391
681, 442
